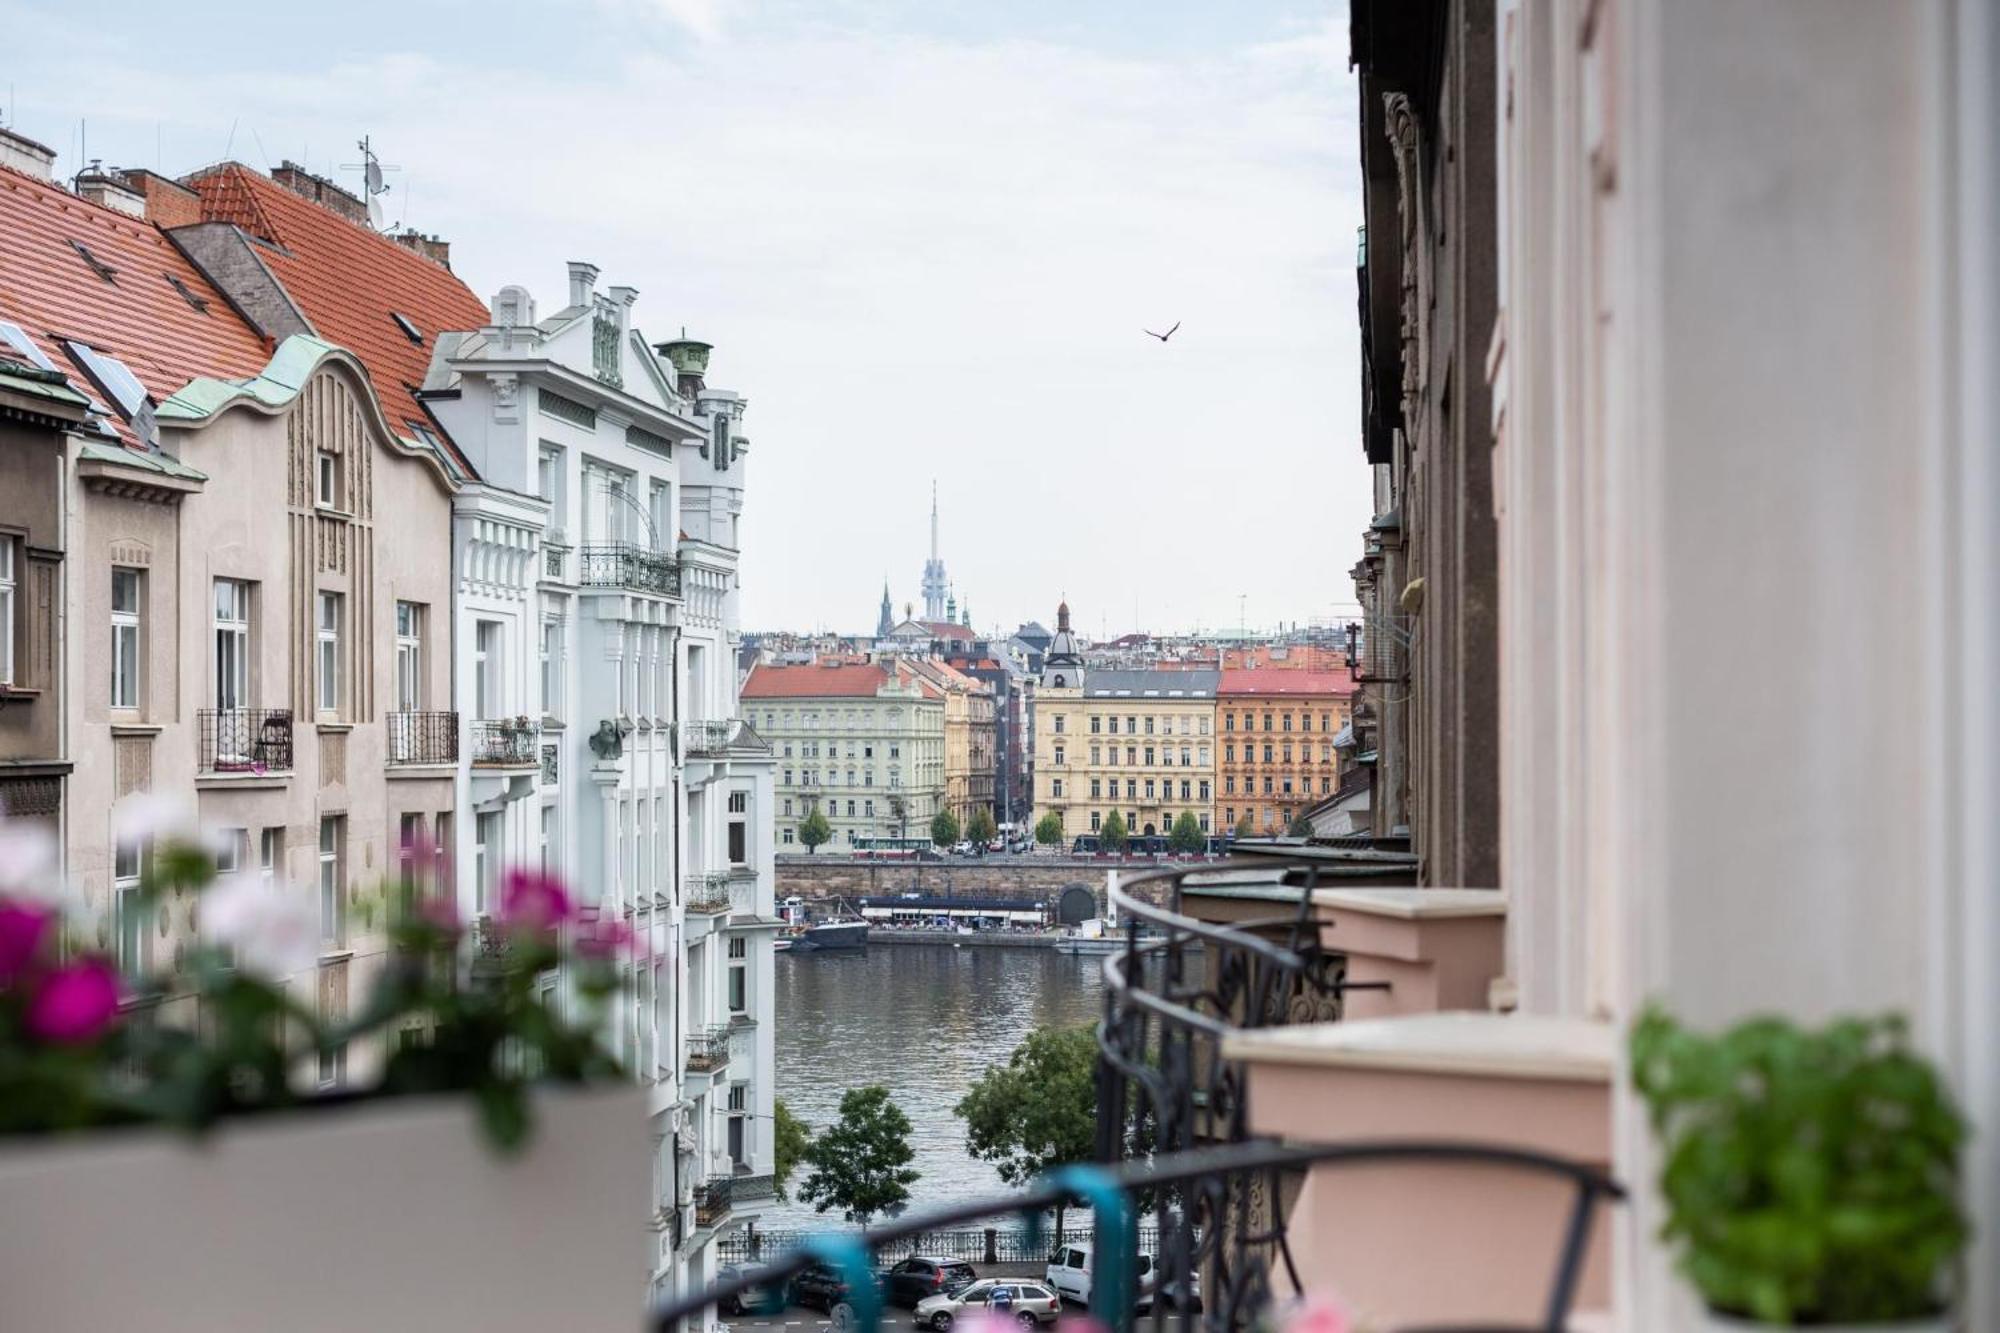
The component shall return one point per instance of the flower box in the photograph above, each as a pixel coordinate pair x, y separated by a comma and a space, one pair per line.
393, 1214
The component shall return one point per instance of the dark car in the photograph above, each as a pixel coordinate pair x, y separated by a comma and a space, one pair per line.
919, 1276
819, 1287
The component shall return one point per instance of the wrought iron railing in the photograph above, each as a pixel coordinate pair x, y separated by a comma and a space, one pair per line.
623, 565
554, 561
712, 1200
708, 736
707, 1051
244, 740
1378, 651
1173, 994
1273, 1273
423, 737
510, 742
708, 894
978, 1245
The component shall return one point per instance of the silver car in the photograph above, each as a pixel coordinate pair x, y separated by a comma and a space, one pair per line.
1025, 1299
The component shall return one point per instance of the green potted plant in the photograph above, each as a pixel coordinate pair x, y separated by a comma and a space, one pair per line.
1810, 1176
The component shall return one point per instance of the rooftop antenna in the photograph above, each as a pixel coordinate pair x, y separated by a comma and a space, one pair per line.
372, 169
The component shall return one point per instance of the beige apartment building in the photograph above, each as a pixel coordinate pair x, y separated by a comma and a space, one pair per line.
968, 736
861, 742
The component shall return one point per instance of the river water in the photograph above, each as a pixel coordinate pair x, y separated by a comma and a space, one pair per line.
927, 1021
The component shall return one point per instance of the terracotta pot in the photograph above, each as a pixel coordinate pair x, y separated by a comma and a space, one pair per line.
391, 1215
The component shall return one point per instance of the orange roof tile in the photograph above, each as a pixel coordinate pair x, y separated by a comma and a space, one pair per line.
817, 681
1276, 681
137, 315
348, 280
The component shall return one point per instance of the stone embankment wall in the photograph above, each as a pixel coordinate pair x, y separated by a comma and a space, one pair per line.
1032, 879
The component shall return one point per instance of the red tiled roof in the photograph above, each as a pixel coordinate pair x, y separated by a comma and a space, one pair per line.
348, 280
1284, 680
48, 289
814, 682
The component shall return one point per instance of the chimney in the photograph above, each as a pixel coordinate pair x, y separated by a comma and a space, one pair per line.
26, 156
512, 307
109, 189
689, 357
582, 279
624, 298
168, 202
321, 191
436, 250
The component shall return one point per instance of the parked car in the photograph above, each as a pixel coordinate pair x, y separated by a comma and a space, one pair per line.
758, 1300
1070, 1270
1024, 1299
961, 848
819, 1287
918, 1276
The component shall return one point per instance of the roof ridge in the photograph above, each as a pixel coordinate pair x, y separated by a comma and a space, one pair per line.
257, 181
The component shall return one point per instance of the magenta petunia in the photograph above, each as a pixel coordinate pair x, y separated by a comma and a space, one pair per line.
23, 927
439, 912
75, 1003
533, 900
604, 938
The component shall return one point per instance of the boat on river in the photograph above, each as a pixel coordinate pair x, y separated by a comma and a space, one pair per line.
827, 936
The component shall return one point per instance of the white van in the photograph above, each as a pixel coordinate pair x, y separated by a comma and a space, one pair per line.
1069, 1272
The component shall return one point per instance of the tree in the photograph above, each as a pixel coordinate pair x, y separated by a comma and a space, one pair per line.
790, 1137
1039, 1110
1049, 830
1246, 829
814, 830
861, 1163
980, 828
1301, 826
1111, 837
1186, 835
899, 810
944, 828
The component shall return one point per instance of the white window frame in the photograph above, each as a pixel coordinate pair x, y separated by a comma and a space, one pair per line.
329, 611
231, 624
485, 856
409, 657
332, 889
134, 933
551, 654
7, 584
488, 655
128, 634
326, 479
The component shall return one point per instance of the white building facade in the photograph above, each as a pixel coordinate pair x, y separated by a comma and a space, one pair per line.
597, 625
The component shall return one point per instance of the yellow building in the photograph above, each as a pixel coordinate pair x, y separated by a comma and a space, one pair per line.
968, 736
1138, 742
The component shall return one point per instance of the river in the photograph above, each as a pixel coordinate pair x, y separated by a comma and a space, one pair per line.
926, 1021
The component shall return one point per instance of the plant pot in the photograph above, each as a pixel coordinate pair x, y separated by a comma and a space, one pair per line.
391, 1215
1721, 1323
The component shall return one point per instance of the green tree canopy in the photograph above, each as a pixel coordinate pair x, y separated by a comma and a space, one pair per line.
944, 828
1039, 1110
1187, 835
1301, 826
1111, 837
791, 1137
861, 1163
814, 830
1246, 829
981, 828
1049, 830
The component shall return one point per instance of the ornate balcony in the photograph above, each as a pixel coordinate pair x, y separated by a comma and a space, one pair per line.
707, 1051
623, 565
712, 1200
422, 737
713, 738
708, 895
244, 740
506, 742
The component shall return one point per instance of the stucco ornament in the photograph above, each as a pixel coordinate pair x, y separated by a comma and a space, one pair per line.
607, 742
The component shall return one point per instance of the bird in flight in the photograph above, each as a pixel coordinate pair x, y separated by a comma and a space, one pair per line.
1162, 336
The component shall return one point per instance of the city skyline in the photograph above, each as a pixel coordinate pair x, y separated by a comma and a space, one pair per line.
974, 246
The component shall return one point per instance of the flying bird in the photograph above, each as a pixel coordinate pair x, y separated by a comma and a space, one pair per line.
1162, 336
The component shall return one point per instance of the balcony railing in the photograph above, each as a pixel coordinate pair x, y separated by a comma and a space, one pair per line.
423, 738
713, 737
622, 565
555, 561
708, 894
1378, 652
507, 742
244, 740
1257, 1249
712, 1200
707, 1051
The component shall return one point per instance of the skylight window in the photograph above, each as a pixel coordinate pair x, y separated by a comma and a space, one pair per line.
17, 338
410, 331
111, 377
187, 293
97, 266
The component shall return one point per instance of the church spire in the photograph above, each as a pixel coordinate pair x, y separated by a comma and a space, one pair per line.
936, 586
886, 621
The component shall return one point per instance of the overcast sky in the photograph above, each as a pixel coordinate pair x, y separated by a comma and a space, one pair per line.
923, 236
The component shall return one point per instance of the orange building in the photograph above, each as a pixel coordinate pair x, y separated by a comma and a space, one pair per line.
1285, 657
1277, 726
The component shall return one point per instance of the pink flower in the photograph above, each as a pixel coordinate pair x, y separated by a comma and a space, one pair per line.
1318, 1314
23, 927
439, 912
604, 938
76, 1003
533, 900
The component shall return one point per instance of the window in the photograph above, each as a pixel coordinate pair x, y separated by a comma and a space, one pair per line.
1055, 788
788, 807
548, 481
1059, 722
232, 850
135, 941
332, 887
1288, 722
1059, 754
126, 593
1267, 754
1131, 789
409, 657
660, 511
1096, 792
739, 828
1185, 786
6, 611
868, 809
270, 851
1095, 720
327, 639
486, 655
739, 980
1149, 725
1229, 784
486, 834
232, 644
1096, 821
1267, 721
1149, 789
409, 328
328, 493
551, 651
